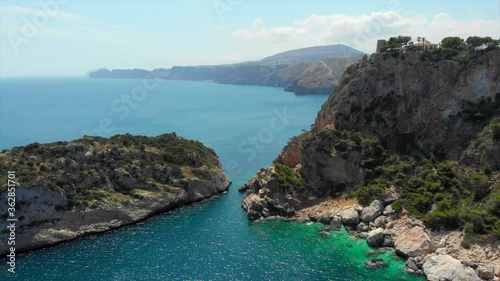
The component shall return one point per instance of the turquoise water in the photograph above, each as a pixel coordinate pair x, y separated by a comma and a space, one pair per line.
211, 240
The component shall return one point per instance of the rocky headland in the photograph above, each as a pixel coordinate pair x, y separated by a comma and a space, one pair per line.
66, 190
406, 155
313, 70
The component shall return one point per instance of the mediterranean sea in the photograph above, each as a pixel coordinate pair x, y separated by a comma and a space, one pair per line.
211, 240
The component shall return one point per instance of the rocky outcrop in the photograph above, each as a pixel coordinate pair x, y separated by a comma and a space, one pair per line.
405, 99
71, 189
444, 267
376, 263
349, 216
266, 197
371, 212
409, 129
375, 237
414, 242
485, 273
485, 149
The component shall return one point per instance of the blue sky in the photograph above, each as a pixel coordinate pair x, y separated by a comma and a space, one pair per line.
64, 37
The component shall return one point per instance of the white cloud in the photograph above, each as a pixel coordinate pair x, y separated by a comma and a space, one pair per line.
362, 31
54, 14
58, 24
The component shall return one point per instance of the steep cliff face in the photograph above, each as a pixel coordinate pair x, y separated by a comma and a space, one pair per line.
69, 189
405, 103
406, 99
415, 139
320, 77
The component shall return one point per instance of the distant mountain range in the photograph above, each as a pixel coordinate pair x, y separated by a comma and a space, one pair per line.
313, 70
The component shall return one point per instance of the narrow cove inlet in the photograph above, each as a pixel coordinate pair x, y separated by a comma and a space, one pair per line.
247, 126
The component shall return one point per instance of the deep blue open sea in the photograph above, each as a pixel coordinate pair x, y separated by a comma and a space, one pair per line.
212, 240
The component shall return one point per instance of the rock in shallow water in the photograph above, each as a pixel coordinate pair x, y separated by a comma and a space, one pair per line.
375, 237
376, 263
336, 223
412, 268
349, 216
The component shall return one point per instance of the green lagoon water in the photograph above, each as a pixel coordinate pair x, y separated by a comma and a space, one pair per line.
211, 240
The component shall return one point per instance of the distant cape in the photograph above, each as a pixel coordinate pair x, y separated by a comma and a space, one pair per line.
312, 70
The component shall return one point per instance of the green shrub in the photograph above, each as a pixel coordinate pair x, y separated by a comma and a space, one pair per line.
367, 193
443, 219
496, 131
288, 178
487, 169
496, 229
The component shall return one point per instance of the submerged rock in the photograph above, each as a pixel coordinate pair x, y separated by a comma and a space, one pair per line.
376, 263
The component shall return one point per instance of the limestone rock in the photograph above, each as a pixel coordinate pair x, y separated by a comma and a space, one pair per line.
375, 237
388, 242
336, 223
445, 267
485, 272
380, 221
349, 216
362, 227
95, 184
373, 211
388, 211
412, 268
414, 242
376, 263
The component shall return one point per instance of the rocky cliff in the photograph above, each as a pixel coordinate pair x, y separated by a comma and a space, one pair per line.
70, 189
415, 130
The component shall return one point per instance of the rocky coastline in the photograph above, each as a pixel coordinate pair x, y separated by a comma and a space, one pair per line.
406, 155
435, 255
67, 190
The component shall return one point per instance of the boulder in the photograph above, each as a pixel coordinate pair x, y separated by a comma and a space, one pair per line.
389, 199
349, 216
380, 221
412, 268
414, 242
485, 272
375, 237
325, 233
388, 242
372, 212
388, 211
376, 263
496, 270
362, 227
445, 267
336, 223
325, 218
